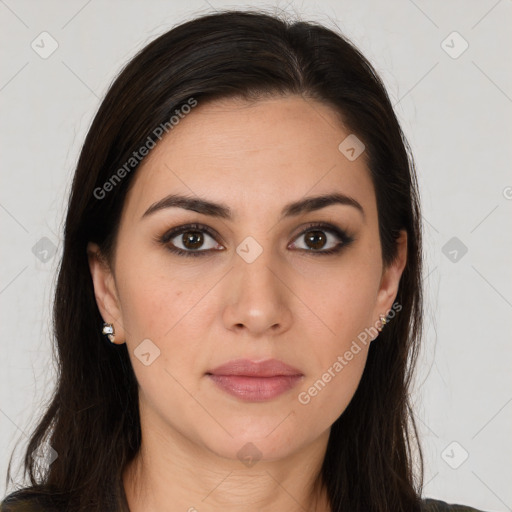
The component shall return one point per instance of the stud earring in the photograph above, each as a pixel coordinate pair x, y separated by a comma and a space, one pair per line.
383, 322
108, 329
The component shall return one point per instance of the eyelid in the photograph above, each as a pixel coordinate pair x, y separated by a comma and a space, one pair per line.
194, 226
343, 235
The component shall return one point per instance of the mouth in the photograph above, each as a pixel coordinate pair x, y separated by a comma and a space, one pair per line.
255, 381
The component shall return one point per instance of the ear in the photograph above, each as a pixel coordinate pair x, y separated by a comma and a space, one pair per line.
105, 291
390, 279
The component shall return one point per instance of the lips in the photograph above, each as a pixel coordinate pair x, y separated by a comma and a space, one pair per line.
255, 381
248, 368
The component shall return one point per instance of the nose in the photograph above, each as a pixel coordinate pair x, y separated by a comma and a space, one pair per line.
258, 297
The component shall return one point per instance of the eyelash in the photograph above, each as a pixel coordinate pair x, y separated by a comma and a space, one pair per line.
345, 238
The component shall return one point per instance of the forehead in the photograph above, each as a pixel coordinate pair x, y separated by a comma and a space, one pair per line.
252, 155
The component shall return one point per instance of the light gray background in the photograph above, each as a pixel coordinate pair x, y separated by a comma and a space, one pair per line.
456, 114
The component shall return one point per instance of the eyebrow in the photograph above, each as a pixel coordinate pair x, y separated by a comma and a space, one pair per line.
205, 207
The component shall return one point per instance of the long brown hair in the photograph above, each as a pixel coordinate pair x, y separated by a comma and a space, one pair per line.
92, 421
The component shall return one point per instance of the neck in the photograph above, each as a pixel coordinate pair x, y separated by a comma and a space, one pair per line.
171, 470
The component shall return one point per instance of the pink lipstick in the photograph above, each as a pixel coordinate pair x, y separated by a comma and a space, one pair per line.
255, 381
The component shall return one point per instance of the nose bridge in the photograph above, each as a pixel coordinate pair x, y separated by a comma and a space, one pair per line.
258, 262
258, 297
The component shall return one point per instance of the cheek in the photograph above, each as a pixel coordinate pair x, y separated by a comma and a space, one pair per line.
341, 295
339, 358
168, 309
328, 394
161, 309
154, 297
343, 298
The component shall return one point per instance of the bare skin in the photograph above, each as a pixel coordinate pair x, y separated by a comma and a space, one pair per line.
291, 303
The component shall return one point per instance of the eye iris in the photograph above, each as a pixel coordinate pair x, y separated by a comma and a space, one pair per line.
317, 238
192, 239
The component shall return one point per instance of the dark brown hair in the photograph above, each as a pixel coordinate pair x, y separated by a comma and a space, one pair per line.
92, 421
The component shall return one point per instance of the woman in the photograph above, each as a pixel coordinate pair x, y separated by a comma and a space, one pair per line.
238, 307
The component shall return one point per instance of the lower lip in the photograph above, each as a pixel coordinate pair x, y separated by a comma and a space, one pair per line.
256, 389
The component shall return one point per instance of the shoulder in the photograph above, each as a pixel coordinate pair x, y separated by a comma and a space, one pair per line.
31, 502
431, 505
26, 501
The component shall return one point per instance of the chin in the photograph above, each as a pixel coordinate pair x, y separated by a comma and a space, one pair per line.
253, 440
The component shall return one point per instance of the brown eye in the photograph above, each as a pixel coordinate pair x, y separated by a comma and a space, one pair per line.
315, 239
199, 240
192, 239
322, 239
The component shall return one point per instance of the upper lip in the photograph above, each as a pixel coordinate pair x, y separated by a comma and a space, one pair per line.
246, 367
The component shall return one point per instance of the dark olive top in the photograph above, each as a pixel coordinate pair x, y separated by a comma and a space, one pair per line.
33, 505
430, 505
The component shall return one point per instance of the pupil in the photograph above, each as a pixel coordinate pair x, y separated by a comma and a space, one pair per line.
192, 239
317, 238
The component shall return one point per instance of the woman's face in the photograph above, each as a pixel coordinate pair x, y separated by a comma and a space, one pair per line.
256, 283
